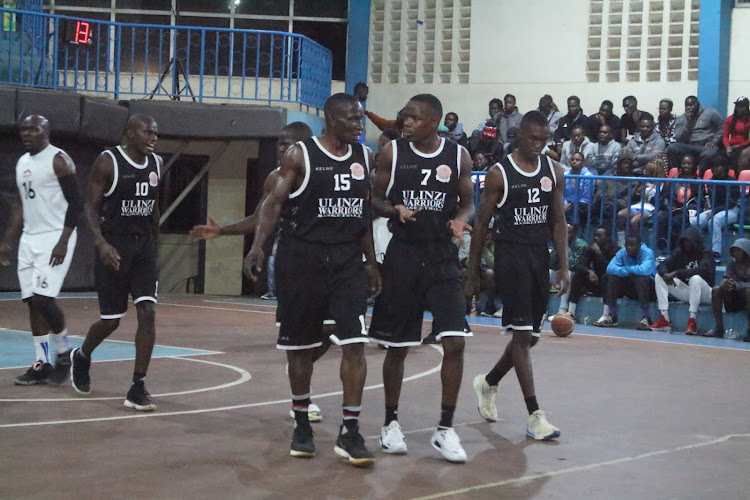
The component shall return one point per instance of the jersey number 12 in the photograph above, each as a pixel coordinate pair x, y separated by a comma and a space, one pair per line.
533, 195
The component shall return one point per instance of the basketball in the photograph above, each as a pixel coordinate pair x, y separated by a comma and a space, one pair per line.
563, 324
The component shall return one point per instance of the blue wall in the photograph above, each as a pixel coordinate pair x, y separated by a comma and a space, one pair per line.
357, 43
713, 53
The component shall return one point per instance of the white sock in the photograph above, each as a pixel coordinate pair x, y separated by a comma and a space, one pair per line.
41, 348
606, 311
693, 315
572, 308
665, 313
61, 341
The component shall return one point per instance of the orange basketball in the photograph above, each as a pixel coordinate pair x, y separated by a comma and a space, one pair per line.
563, 324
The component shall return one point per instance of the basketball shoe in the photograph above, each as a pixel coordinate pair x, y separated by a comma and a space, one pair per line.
303, 445
539, 427
79, 372
38, 373
392, 439
486, 395
351, 445
139, 398
446, 441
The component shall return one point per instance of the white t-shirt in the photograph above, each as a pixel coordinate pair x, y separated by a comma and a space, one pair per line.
44, 204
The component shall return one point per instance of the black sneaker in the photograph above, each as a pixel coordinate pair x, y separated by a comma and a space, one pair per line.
79, 372
138, 398
61, 371
351, 445
38, 373
302, 442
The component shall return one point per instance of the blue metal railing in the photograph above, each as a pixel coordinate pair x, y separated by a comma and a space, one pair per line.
669, 205
146, 60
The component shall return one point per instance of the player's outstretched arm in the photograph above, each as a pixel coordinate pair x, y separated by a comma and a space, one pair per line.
559, 227
65, 171
291, 174
102, 177
13, 230
494, 187
465, 213
381, 206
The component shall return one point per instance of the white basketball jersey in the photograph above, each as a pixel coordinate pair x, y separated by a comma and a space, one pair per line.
44, 204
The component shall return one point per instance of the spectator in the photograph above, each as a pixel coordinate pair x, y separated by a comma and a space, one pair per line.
578, 192
495, 106
548, 107
646, 193
481, 162
590, 273
737, 130
512, 142
612, 196
486, 143
576, 247
593, 123
722, 208
442, 131
361, 91
630, 121
578, 143
734, 291
698, 132
487, 279
456, 128
509, 118
676, 200
384, 123
687, 275
646, 145
664, 124
575, 116
630, 274
605, 153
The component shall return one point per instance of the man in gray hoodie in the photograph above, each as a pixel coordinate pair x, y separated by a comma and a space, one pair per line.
734, 291
698, 133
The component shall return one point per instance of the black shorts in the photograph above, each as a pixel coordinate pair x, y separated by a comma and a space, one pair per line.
522, 282
418, 277
734, 301
138, 274
315, 283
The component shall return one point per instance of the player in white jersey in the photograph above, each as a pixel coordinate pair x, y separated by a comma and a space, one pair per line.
47, 207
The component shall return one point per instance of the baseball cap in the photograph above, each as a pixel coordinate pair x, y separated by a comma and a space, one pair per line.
489, 132
742, 100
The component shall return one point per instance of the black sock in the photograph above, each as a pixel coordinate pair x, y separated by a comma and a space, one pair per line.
391, 414
446, 415
138, 377
351, 417
493, 377
300, 406
531, 404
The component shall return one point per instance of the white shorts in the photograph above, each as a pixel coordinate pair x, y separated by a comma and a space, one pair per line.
35, 274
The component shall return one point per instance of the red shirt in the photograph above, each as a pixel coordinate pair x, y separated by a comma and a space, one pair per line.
739, 138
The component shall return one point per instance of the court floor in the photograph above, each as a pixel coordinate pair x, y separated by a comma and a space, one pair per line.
641, 415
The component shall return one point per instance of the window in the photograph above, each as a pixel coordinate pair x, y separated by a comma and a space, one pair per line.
322, 8
264, 7
331, 36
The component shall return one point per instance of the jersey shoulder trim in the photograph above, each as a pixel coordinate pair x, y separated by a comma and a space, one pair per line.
115, 173
306, 180
331, 155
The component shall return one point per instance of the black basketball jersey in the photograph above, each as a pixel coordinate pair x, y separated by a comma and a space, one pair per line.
426, 181
332, 205
129, 204
521, 214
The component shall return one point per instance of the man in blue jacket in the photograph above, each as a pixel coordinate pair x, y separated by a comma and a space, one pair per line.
630, 274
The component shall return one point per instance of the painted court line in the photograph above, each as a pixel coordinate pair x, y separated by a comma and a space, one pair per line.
597, 465
216, 308
244, 377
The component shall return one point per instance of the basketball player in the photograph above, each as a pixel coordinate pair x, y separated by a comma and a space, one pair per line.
420, 180
51, 203
323, 189
123, 211
290, 134
524, 194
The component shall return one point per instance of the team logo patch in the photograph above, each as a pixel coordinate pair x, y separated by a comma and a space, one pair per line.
27, 172
546, 184
443, 173
358, 171
153, 179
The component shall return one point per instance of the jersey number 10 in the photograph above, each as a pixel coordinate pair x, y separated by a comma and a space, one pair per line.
141, 188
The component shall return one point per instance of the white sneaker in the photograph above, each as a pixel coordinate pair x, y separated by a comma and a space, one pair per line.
498, 313
446, 441
392, 439
486, 395
539, 428
313, 413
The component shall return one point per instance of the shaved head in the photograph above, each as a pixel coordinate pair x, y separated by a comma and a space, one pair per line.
138, 119
36, 121
34, 132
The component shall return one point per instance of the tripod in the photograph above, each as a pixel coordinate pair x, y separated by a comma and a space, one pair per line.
179, 69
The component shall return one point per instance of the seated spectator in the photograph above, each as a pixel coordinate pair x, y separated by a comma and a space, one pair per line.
578, 143
548, 107
664, 124
593, 123
630, 274
384, 123
576, 247
630, 121
721, 209
677, 200
456, 128
442, 131
481, 162
646, 193
698, 132
486, 143
734, 291
495, 106
605, 152
645, 145
687, 275
590, 273
611, 196
578, 192
737, 130
575, 116
508, 118
512, 142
